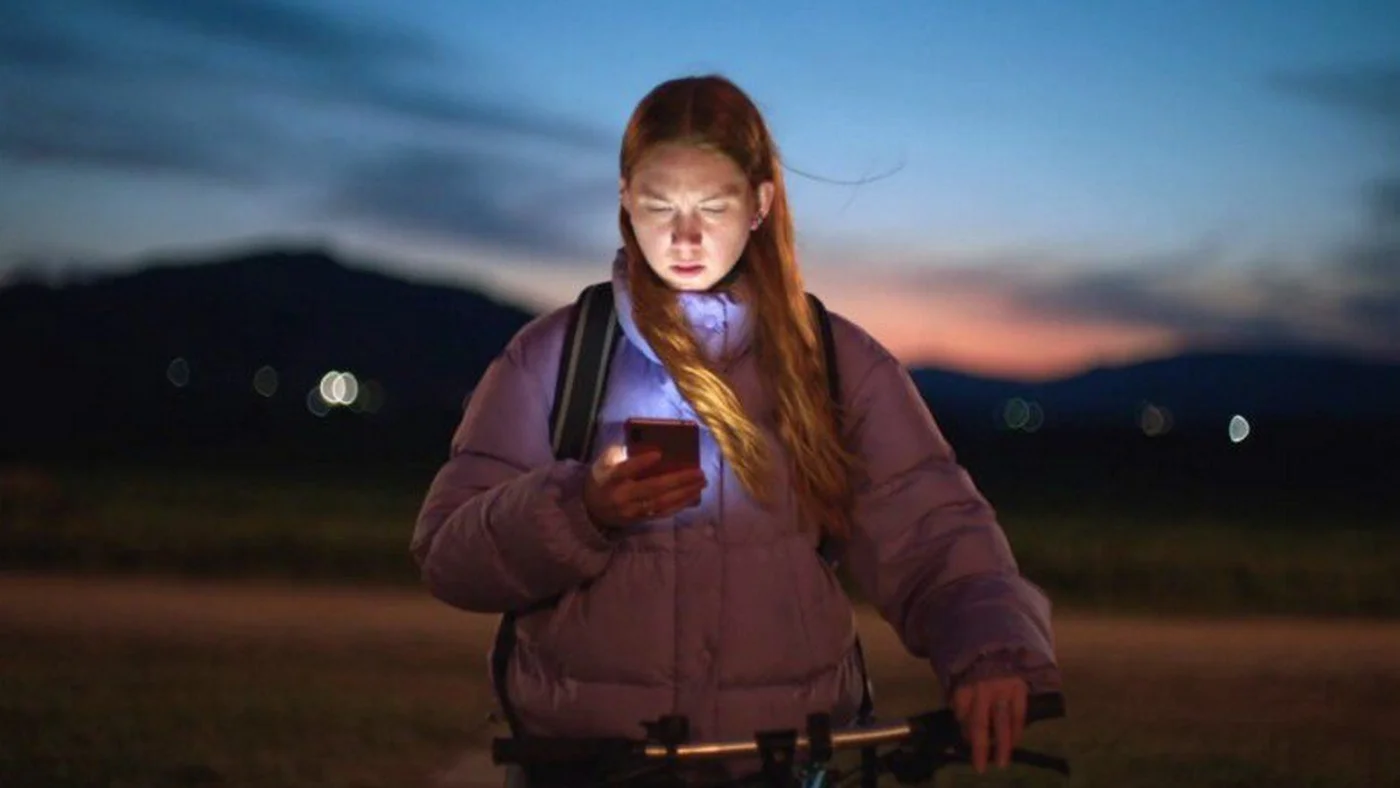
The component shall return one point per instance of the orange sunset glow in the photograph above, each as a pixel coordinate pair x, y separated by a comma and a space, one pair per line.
987, 334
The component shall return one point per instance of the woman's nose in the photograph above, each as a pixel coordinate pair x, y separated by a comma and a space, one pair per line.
686, 230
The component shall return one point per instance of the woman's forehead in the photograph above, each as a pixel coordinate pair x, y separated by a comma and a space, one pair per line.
688, 168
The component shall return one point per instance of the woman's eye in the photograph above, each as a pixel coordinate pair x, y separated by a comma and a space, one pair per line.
713, 210
658, 209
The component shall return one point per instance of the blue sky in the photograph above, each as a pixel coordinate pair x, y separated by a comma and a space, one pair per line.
1050, 185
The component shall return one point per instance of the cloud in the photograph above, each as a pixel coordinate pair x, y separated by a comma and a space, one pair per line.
1370, 90
1383, 200
191, 138
1204, 301
276, 27
155, 50
465, 196
1349, 301
261, 93
1345, 299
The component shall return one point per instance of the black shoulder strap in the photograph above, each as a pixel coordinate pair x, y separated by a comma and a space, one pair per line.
828, 548
584, 362
583, 372
833, 374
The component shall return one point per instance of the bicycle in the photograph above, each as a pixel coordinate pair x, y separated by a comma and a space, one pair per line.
913, 752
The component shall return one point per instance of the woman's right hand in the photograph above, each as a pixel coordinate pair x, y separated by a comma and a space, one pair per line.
618, 492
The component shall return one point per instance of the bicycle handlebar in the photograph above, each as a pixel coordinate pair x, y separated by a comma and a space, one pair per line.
936, 729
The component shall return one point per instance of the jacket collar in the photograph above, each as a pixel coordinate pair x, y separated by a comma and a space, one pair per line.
721, 323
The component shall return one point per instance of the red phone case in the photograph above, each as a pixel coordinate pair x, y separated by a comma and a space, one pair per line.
678, 441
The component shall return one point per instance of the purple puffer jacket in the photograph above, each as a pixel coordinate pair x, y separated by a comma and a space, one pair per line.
724, 613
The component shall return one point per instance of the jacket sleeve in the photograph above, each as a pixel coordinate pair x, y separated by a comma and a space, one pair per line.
926, 547
503, 524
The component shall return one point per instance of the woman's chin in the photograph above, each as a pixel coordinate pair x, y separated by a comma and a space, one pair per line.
690, 285
696, 282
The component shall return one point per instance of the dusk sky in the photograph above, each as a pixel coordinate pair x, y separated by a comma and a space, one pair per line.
1050, 185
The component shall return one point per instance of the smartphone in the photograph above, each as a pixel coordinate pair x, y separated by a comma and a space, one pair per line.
678, 440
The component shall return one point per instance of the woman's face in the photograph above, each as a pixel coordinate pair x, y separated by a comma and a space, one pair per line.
692, 210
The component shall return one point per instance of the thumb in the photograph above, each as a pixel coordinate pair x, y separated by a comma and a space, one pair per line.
608, 459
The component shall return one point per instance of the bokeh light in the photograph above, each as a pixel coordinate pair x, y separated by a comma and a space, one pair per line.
316, 403
1239, 428
1016, 414
1022, 415
265, 381
178, 373
339, 388
1155, 420
1037, 418
370, 399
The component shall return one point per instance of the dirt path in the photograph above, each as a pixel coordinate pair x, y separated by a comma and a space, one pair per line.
193, 609
1183, 679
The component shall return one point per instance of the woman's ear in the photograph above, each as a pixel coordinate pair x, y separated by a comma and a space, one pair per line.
765, 198
622, 199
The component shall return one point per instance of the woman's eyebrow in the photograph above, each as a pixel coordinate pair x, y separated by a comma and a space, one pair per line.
731, 190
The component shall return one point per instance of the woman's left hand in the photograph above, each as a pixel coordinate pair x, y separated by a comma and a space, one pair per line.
991, 710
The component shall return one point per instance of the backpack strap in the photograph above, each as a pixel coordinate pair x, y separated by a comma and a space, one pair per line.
828, 548
833, 374
584, 363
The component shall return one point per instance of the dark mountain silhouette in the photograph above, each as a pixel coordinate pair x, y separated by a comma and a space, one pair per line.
1318, 431
1195, 390
162, 364
89, 365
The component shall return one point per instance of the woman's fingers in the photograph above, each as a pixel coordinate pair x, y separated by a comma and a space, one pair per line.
667, 503
654, 487
659, 496
629, 494
634, 467
1001, 730
980, 724
1019, 704
678, 499
992, 713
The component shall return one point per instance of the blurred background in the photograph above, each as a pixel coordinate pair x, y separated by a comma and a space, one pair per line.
1142, 261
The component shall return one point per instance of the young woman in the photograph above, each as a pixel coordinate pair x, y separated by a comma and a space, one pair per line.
724, 611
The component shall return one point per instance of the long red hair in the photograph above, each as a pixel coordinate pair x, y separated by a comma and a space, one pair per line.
713, 113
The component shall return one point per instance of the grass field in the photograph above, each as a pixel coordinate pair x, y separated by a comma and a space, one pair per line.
1221, 556
117, 683
155, 684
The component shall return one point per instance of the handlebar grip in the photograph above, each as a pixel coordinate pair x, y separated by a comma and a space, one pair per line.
531, 749
941, 727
